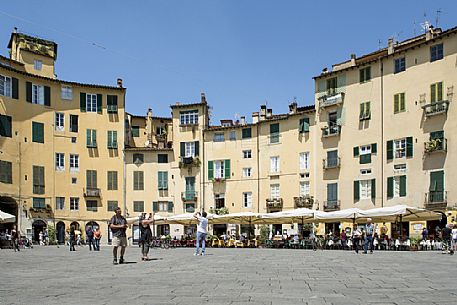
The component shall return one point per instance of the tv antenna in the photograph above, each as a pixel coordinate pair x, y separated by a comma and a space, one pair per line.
426, 24
438, 12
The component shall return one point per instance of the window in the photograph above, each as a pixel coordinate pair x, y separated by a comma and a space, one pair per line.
365, 74
247, 154
332, 158
135, 131
332, 84
162, 158
37, 132
218, 137
365, 189
365, 111
274, 191
162, 206
247, 172
5, 126
138, 159
304, 188
304, 161
365, 154
73, 123
274, 164
436, 92
188, 117
189, 149
246, 133
6, 172
399, 102
66, 93
37, 65
38, 179
112, 139
163, 181
400, 148
219, 171
366, 171
232, 135
60, 203
190, 207
60, 162
332, 193
74, 163
399, 168
91, 138
274, 133
112, 180
138, 180
396, 186
247, 200
59, 121
138, 206
73, 140
400, 65
303, 125
74, 204
91, 179
5, 86
160, 130
91, 205
38, 203
111, 103
91, 102
37, 94
112, 205
74, 180
436, 52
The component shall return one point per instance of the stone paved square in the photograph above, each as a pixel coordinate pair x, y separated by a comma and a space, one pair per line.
51, 275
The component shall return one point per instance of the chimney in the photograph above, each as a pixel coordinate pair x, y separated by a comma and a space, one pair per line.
149, 114
353, 56
119, 83
243, 120
15, 30
203, 98
263, 112
269, 113
255, 117
390, 46
293, 108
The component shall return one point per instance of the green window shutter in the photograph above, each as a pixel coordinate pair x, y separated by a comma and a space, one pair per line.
361, 75
374, 148
47, 96
88, 137
227, 169
368, 109
210, 170
390, 187
82, 102
5, 126
197, 148
373, 188
114, 135
37, 132
182, 149
28, 92
165, 180
402, 102
409, 146
141, 182
15, 89
390, 150
362, 110
356, 151
368, 74
402, 186
170, 207
301, 125
396, 103
356, 190
437, 181
306, 124
440, 91
433, 93
274, 128
99, 103
94, 137
155, 206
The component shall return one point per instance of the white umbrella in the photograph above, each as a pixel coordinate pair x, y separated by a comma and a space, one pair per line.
6, 218
351, 214
402, 212
237, 218
135, 220
292, 216
183, 219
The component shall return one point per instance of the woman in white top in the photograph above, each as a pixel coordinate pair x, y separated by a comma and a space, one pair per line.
454, 237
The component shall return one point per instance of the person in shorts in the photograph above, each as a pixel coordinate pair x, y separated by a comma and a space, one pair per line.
118, 225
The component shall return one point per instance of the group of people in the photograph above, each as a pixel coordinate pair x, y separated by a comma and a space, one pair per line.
93, 238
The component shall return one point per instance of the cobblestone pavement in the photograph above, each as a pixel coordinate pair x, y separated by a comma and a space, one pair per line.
51, 275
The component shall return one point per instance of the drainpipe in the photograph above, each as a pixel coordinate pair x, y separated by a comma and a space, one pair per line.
258, 169
382, 134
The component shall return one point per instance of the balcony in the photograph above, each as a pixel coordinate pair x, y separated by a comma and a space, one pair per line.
111, 108
332, 130
330, 163
435, 108
189, 162
274, 203
92, 144
331, 99
305, 201
331, 205
189, 196
436, 200
218, 180
189, 208
435, 145
92, 192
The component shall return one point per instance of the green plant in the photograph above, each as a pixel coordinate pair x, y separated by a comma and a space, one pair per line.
264, 232
52, 234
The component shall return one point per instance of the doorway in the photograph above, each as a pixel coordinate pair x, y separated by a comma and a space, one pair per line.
60, 231
8, 205
37, 227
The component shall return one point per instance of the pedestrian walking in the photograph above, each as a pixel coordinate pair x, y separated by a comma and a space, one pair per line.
356, 236
72, 238
15, 236
424, 234
90, 237
97, 238
446, 234
454, 237
201, 232
369, 231
145, 235
118, 225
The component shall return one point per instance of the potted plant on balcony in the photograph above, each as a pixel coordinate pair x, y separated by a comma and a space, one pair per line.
432, 145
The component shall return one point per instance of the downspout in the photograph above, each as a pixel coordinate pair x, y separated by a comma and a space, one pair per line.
382, 134
202, 174
258, 169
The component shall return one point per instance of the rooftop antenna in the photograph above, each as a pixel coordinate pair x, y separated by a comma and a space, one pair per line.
379, 44
414, 28
438, 12
425, 25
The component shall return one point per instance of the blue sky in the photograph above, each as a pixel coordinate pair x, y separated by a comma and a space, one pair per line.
240, 53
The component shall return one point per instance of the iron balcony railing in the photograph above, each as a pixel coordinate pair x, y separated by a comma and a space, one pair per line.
189, 196
330, 99
331, 162
331, 130
303, 202
435, 108
92, 192
274, 203
331, 205
436, 145
436, 197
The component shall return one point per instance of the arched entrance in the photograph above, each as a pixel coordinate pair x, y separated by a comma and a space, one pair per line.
76, 225
38, 226
93, 225
8, 205
60, 232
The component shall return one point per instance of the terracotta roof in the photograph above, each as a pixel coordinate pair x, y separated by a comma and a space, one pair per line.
34, 49
383, 53
11, 60
215, 128
187, 105
147, 149
153, 117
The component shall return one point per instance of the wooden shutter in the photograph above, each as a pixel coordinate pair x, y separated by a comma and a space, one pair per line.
362, 110
390, 187
390, 150
227, 169
402, 186
367, 110
155, 206
356, 151
170, 207
396, 103
99, 103
15, 88
37, 132
437, 181
409, 146
28, 92
274, 128
88, 138
5, 126
82, 102
165, 180
440, 91
356, 190
374, 148
210, 170
141, 180
183, 149
402, 106
47, 96
373, 188
197, 148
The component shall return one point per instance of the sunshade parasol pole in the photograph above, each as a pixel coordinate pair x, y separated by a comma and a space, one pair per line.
401, 227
